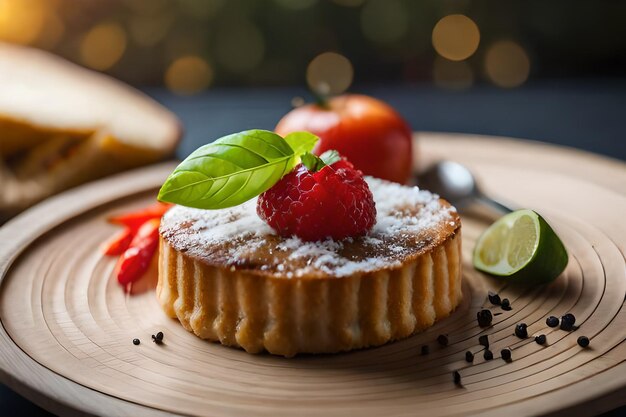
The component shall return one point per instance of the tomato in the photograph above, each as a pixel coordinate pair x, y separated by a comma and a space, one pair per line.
371, 134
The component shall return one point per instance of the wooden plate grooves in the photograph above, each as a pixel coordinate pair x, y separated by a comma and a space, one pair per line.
67, 327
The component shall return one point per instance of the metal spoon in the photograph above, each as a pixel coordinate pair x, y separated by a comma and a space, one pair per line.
455, 183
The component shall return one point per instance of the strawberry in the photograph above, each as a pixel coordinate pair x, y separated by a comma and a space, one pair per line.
324, 197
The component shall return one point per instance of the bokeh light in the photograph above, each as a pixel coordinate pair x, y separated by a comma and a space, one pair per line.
103, 46
271, 43
21, 21
329, 73
384, 21
453, 75
240, 46
297, 101
507, 64
456, 37
188, 75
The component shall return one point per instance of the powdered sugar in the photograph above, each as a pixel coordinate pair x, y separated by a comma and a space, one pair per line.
408, 220
218, 225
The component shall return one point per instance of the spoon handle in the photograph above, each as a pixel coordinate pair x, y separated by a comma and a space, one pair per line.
494, 203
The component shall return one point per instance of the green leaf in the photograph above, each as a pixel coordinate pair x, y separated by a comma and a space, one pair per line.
314, 163
301, 142
330, 157
234, 169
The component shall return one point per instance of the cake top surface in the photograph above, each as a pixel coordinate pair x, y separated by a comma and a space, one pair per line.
409, 222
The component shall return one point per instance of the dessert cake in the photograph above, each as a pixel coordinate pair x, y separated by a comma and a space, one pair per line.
228, 277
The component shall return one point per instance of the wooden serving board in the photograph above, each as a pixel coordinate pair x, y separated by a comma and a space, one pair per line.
67, 327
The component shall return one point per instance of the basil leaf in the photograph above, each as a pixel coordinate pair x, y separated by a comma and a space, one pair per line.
330, 157
233, 169
301, 142
312, 162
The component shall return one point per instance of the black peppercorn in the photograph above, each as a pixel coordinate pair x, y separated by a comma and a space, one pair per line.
552, 321
494, 298
567, 322
425, 350
583, 341
136, 342
488, 355
505, 304
521, 330
469, 357
541, 339
457, 377
442, 339
484, 318
483, 340
158, 338
506, 354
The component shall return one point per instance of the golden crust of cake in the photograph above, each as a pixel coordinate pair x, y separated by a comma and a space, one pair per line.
227, 277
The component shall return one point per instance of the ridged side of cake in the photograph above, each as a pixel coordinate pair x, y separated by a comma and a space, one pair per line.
288, 316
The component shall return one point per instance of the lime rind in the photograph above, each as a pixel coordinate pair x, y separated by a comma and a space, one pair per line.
521, 246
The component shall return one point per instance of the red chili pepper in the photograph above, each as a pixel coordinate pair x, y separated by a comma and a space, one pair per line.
118, 243
136, 259
135, 219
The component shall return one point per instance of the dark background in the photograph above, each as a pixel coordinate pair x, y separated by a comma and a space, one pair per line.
271, 42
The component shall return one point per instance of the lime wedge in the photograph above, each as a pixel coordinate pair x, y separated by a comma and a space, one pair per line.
521, 247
